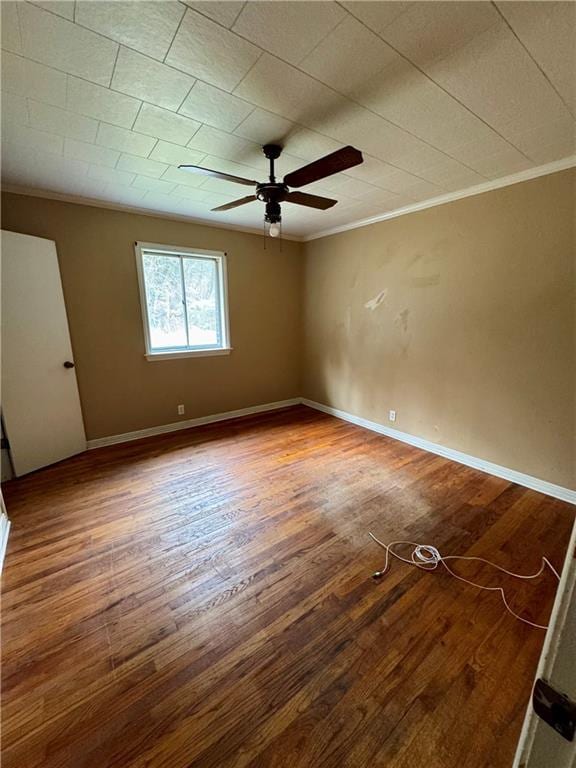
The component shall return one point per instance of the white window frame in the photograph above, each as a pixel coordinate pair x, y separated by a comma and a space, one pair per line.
219, 257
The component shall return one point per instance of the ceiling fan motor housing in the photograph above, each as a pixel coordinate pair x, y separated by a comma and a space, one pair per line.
272, 194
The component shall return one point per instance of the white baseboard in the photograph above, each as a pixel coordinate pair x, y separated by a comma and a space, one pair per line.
535, 483
100, 442
543, 486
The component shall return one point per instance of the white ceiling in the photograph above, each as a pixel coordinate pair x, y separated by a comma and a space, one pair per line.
102, 100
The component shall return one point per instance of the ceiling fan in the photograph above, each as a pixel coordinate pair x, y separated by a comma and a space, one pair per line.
273, 192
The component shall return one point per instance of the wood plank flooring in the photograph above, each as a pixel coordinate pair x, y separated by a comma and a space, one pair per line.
203, 600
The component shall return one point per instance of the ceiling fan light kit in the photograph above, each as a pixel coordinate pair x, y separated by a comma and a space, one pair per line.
273, 192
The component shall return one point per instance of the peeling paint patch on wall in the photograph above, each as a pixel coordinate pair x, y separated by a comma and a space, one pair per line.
377, 300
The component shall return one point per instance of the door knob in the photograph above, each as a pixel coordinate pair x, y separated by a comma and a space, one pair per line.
68, 364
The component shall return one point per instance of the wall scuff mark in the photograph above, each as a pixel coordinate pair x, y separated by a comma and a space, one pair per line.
401, 319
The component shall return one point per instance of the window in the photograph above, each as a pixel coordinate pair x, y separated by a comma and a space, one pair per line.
184, 303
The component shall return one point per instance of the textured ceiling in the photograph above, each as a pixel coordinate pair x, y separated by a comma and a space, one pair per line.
103, 100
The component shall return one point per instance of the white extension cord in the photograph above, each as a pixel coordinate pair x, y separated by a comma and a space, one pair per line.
428, 558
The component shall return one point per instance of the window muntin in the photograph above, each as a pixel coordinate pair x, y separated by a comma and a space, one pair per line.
184, 305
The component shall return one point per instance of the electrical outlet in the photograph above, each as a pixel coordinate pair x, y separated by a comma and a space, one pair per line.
391, 415
180, 410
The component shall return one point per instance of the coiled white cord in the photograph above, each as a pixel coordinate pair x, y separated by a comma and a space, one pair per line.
428, 558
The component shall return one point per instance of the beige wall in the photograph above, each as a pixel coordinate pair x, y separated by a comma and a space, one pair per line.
460, 317
119, 389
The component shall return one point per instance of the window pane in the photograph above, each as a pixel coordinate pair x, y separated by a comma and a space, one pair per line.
201, 281
165, 301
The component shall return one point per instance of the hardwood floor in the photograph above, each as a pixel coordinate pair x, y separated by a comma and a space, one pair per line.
203, 600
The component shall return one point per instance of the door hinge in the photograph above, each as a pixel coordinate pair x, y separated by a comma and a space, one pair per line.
4, 444
555, 708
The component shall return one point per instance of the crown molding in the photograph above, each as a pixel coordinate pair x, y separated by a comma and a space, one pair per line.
479, 189
94, 203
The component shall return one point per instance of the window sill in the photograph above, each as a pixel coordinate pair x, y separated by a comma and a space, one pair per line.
188, 353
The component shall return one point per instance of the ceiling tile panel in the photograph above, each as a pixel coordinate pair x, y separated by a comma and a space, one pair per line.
548, 30
378, 137
153, 185
54, 120
11, 38
495, 77
229, 166
141, 165
166, 125
423, 190
376, 172
212, 141
124, 195
215, 107
226, 189
144, 78
285, 164
60, 167
399, 181
301, 27
284, 90
355, 61
90, 153
101, 103
472, 153
190, 193
149, 27
310, 145
354, 188
410, 100
27, 78
223, 12
430, 31
31, 139
551, 140
110, 175
502, 163
349, 58
124, 141
14, 109
264, 127
59, 43
210, 52
43, 171
174, 154
450, 178
184, 177
64, 8
159, 201
377, 15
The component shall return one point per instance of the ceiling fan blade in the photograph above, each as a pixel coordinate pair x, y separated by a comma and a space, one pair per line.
235, 203
218, 175
341, 160
310, 201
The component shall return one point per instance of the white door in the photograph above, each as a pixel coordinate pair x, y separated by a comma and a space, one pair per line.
40, 402
540, 746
